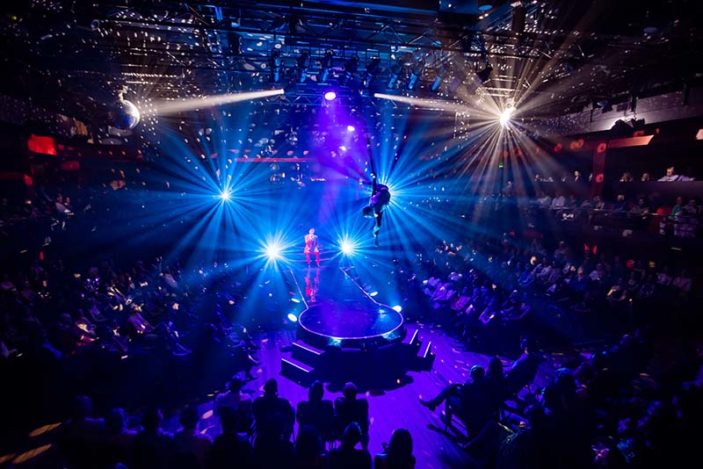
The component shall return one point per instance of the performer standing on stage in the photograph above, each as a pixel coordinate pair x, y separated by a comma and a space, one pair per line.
380, 198
312, 247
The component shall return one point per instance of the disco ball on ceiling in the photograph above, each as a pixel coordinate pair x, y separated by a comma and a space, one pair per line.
124, 115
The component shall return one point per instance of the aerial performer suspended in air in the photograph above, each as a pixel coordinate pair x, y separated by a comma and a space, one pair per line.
380, 198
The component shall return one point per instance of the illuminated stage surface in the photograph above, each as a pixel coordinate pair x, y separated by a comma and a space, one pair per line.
340, 313
346, 334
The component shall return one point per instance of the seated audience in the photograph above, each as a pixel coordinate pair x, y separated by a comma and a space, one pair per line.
317, 412
238, 402
398, 454
309, 449
191, 448
273, 415
347, 456
349, 410
153, 447
120, 440
230, 449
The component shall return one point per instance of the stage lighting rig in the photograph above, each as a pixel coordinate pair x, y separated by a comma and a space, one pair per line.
350, 68
276, 63
303, 65
326, 66
438, 79
415, 74
373, 67
395, 71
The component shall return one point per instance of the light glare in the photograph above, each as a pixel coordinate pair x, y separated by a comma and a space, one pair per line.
171, 107
226, 195
347, 247
506, 115
273, 251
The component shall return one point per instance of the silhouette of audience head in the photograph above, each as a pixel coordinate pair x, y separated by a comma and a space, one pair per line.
477, 373
316, 392
400, 448
235, 385
271, 388
495, 367
351, 436
349, 390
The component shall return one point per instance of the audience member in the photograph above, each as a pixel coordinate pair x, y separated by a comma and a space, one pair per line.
349, 410
317, 412
191, 448
398, 454
347, 456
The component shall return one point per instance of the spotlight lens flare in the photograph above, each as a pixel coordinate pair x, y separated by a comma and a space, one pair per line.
397, 308
226, 195
330, 95
350, 128
506, 115
292, 317
347, 247
273, 251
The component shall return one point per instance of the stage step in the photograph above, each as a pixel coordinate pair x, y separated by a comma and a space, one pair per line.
412, 338
306, 353
426, 356
297, 371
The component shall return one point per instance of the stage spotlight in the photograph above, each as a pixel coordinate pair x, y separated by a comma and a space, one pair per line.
226, 195
303, 64
273, 251
394, 73
330, 95
373, 293
438, 79
326, 66
347, 247
350, 68
372, 69
276, 63
351, 128
415, 74
292, 317
397, 308
506, 115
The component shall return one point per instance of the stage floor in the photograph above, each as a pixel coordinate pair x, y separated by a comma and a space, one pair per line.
340, 313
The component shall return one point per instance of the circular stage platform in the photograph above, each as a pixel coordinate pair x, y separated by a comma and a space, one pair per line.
350, 324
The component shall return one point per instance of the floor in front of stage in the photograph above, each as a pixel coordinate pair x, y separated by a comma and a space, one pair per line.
433, 447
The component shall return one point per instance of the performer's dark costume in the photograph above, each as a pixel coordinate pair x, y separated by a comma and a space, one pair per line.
380, 198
